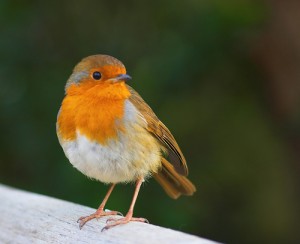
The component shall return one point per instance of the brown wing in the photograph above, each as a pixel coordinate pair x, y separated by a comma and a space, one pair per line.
173, 183
161, 132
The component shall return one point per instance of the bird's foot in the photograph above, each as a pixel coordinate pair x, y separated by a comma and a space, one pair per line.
128, 218
99, 213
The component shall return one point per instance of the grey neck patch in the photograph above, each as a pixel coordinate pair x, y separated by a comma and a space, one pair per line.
76, 77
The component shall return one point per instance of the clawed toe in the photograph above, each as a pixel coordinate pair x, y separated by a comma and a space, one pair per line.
121, 221
110, 219
83, 220
143, 220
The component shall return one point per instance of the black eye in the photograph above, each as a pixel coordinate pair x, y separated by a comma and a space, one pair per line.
97, 75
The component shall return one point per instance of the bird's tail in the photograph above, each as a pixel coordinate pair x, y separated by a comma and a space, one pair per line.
173, 183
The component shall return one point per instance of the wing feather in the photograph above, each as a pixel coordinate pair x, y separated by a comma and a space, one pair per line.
161, 132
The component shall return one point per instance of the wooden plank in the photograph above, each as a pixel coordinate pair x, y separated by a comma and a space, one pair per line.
32, 218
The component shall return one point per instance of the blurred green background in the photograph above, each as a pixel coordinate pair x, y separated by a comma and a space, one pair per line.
224, 76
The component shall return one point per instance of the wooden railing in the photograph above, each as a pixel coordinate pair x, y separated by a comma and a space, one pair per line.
27, 217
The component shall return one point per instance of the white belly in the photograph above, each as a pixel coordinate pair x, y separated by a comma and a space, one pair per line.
133, 154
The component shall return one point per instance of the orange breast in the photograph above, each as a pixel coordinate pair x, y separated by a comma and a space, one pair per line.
96, 111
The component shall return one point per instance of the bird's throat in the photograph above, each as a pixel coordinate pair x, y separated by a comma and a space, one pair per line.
96, 113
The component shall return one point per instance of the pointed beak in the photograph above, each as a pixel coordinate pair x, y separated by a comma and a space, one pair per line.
122, 77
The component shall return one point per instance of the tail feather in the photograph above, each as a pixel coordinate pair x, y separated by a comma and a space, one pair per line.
173, 183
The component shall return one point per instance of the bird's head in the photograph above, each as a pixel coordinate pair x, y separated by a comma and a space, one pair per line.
99, 70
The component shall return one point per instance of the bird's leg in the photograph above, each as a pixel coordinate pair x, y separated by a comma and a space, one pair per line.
129, 214
100, 211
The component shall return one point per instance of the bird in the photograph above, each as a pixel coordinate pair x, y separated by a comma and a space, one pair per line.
110, 134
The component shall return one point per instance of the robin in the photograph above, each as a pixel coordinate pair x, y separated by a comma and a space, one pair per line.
109, 133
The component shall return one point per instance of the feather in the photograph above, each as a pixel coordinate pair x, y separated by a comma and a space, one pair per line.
173, 183
161, 132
